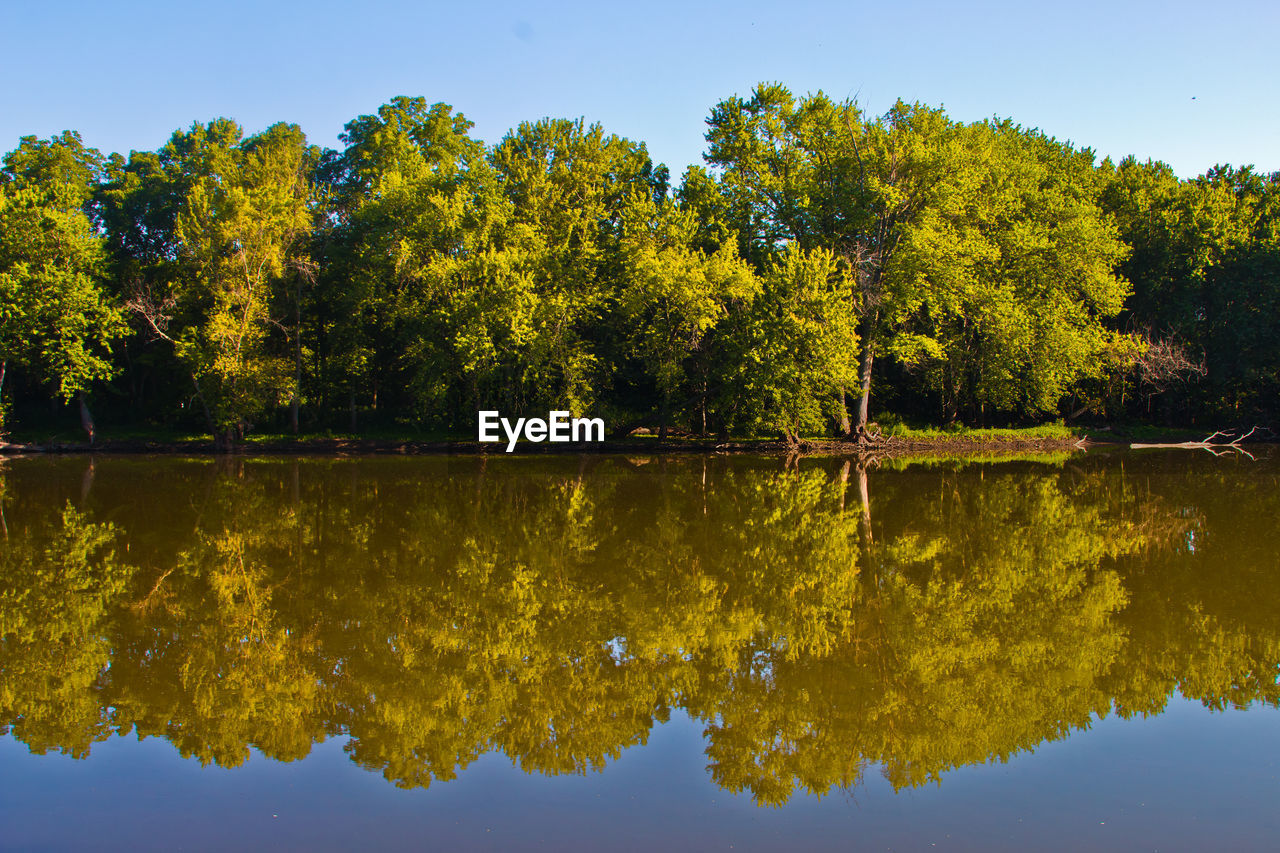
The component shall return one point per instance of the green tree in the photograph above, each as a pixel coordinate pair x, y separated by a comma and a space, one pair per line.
1015, 277
818, 173
1205, 256
416, 291
245, 207
793, 350
569, 185
674, 297
56, 319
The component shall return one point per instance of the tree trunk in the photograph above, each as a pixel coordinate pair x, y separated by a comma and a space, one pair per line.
86, 417
868, 357
845, 426
297, 354
792, 436
351, 406
701, 405
208, 416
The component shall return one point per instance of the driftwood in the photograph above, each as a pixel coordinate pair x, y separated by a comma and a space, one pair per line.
1219, 448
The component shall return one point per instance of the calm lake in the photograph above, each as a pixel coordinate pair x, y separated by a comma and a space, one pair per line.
551, 652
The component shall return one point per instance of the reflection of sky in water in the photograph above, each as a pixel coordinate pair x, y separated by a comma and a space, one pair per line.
1185, 779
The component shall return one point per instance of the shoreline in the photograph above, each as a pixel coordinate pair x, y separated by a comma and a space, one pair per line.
385, 447
978, 440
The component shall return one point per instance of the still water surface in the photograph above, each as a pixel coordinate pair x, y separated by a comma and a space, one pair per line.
552, 652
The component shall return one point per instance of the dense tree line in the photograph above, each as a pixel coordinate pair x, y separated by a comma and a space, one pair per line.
824, 266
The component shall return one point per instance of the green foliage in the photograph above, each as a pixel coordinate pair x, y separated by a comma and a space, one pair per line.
208, 238
240, 222
56, 320
1015, 277
416, 206
569, 186
982, 257
981, 272
1052, 431
1206, 254
676, 300
795, 348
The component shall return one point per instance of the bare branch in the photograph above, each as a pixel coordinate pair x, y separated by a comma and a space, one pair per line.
154, 311
1164, 361
1246, 435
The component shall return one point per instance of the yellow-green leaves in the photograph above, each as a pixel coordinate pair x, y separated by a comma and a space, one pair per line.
800, 343
56, 319
246, 212
674, 296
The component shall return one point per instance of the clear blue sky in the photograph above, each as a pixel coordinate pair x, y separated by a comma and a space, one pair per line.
1192, 84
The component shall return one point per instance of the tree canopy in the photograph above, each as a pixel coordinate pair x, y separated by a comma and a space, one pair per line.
825, 265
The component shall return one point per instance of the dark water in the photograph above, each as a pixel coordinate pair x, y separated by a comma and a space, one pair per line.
684, 653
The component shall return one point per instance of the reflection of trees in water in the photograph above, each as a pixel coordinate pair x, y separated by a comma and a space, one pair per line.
435, 610
983, 620
59, 577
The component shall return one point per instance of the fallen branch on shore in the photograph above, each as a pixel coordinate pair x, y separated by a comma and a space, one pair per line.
1219, 448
